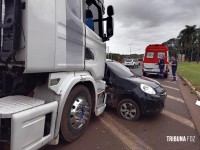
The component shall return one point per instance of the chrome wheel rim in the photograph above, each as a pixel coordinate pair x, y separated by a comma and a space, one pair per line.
128, 111
80, 112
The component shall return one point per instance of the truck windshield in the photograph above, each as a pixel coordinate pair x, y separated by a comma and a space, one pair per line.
119, 69
94, 15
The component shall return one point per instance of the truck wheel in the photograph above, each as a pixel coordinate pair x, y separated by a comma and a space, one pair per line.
76, 114
129, 110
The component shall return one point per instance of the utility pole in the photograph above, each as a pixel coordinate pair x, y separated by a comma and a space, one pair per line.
108, 51
139, 53
130, 48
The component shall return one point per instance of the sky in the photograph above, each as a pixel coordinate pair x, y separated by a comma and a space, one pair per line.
139, 23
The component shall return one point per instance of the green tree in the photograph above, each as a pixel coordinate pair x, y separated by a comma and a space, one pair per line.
172, 46
185, 40
196, 43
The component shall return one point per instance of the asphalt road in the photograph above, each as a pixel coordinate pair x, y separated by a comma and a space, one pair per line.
159, 132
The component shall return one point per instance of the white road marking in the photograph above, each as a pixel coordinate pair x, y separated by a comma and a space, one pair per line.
170, 82
179, 119
175, 98
125, 135
169, 87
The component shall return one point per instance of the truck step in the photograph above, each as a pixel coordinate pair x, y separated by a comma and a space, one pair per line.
14, 104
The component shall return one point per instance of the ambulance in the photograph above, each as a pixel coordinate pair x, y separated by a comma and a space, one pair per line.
151, 58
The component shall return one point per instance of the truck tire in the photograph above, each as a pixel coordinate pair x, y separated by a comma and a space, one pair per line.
76, 114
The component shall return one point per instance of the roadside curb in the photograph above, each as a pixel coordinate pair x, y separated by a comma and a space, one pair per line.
190, 102
190, 85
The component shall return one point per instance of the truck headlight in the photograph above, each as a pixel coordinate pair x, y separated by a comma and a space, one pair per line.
147, 89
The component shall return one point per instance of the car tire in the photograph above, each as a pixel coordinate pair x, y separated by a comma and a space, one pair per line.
129, 110
78, 105
144, 74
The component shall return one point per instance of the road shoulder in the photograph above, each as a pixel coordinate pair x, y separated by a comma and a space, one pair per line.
190, 99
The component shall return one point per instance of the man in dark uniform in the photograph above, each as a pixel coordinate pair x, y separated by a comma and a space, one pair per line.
174, 65
89, 19
161, 64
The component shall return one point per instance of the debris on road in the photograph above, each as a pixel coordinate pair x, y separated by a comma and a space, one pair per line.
198, 103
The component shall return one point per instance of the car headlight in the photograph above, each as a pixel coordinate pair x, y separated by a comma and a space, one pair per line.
147, 89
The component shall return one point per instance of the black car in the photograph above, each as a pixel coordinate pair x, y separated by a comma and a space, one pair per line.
132, 95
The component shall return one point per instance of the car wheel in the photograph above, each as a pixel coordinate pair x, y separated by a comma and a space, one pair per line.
76, 114
129, 110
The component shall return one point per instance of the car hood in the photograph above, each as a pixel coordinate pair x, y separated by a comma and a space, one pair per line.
142, 81
149, 79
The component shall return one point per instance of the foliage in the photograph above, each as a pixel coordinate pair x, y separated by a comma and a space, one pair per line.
187, 43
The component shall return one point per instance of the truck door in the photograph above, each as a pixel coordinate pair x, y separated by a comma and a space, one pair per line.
95, 47
70, 35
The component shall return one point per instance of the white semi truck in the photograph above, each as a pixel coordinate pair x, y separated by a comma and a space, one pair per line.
52, 60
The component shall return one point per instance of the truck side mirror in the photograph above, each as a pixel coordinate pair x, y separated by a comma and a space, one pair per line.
110, 11
110, 22
89, 2
110, 27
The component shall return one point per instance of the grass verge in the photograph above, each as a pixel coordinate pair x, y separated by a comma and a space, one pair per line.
191, 71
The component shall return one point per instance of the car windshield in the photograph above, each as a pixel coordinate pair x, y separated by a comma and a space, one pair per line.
128, 60
120, 70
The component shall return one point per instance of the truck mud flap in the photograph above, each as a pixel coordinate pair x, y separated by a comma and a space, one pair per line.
28, 127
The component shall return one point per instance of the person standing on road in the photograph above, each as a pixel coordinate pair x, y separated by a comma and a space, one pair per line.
161, 64
174, 65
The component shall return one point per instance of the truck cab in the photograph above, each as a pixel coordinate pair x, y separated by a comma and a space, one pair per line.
51, 68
